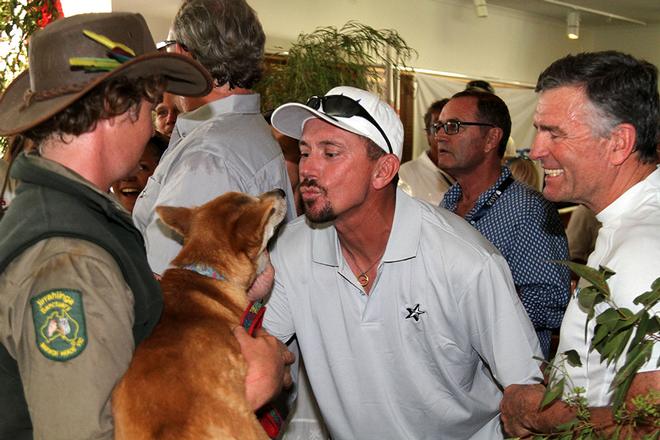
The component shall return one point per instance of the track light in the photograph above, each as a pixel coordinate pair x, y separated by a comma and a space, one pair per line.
481, 8
573, 25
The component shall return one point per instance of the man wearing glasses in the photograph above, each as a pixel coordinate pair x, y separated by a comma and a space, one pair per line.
472, 134
392, 300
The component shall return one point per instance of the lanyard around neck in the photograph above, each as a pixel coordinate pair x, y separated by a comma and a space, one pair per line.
491, 200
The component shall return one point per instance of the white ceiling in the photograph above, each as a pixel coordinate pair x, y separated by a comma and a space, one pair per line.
647, 11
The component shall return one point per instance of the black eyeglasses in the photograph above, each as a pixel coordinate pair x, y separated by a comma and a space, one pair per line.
345, 107
452, 127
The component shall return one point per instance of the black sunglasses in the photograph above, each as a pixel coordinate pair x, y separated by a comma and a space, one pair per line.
345, 107
165, 43
453, 127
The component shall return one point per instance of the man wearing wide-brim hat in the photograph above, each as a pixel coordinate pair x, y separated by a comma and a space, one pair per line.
77, 291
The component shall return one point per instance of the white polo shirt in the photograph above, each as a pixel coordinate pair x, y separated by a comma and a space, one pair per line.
409, 360
629, 244
422, 178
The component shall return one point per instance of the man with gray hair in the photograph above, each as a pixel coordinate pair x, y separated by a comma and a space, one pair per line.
221, 142
597, 133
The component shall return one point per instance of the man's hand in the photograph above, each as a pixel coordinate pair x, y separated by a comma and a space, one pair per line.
264, 281
268, 365
519, 406
521, 415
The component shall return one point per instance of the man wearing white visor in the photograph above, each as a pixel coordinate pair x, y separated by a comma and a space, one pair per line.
401, 309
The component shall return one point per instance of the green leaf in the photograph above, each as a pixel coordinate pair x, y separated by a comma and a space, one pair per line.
613, 345
627, 334
609, 318
648, 299
620, 392
593, 276
655, 285
568, 426
636, 358
643, 324
573, 358
552, 393
600, 333
606, 271
587, 298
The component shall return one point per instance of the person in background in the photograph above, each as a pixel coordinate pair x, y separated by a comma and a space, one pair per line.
597, 129
421, 177
220, 142
17, 144
582, 231
523, 170
129, 188
291, 154
480, 85
472, 133
165, 115
391, 299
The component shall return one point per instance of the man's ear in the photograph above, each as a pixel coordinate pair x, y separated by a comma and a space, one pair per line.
622, 143
493, 138
386, 168
176, 218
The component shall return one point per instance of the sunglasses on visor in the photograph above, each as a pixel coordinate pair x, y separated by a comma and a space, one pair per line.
344, 107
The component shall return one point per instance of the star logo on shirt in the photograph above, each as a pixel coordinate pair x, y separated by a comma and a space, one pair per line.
414, 312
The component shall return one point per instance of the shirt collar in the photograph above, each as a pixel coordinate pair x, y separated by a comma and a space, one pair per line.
629, 201
427, 163
454, 194
243, 104
23, 172
401, 245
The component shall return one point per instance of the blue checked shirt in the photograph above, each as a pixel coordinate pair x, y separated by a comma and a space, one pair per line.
526, 229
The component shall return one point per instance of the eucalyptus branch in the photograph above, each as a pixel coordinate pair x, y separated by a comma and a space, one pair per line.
617, 331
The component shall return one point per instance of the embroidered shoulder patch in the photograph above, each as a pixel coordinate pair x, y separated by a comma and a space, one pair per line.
59, 323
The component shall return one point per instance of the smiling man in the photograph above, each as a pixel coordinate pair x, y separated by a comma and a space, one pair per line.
392, 300
128, 189
597, 133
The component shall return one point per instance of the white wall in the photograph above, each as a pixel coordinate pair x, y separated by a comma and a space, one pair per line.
640, 41
447, 34
507, 45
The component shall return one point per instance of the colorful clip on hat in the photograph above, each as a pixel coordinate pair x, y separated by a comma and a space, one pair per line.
73, 55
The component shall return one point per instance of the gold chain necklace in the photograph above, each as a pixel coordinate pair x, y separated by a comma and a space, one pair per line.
363, 278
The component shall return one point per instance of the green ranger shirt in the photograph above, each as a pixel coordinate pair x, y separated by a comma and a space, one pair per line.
76, 294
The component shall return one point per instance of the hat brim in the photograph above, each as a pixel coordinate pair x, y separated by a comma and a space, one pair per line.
184, 75
289, 119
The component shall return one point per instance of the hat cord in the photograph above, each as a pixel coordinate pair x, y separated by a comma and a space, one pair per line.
44, 95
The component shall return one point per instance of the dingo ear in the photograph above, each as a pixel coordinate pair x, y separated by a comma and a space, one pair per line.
176, 218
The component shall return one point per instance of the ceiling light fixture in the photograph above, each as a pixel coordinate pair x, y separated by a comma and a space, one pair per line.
481, 8
573, 25
595, 12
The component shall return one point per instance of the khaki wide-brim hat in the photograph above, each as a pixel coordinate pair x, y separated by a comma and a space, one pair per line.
51, 83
